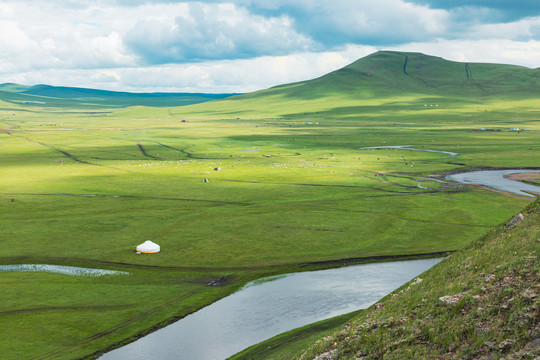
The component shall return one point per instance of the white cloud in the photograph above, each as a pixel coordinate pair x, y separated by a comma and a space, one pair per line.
528, 28
366, 21
211, 76
501, 51
49, 38
216, 31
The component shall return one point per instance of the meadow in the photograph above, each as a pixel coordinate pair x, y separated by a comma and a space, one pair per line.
84, 188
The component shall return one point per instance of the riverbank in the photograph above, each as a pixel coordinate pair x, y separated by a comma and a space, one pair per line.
480, 303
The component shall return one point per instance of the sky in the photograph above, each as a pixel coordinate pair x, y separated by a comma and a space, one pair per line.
246, 45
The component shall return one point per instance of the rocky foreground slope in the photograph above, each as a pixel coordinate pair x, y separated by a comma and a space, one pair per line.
480, 303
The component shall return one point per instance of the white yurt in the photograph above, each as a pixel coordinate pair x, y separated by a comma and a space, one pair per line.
148, 247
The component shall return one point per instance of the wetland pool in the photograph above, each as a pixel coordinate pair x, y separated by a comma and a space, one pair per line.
60, 269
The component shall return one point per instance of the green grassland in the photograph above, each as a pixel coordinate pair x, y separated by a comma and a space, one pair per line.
81, 187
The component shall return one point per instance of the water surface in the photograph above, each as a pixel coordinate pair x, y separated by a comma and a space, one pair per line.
264, 309
495, 179
59, 269
410, 147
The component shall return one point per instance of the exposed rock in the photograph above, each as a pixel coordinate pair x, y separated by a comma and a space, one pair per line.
530, 294
533, 347
326, 356
452, 300
515, 220
505, 344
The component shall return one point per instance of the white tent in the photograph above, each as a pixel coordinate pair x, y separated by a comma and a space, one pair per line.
148, 247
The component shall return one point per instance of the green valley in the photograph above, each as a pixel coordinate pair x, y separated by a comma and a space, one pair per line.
293, 179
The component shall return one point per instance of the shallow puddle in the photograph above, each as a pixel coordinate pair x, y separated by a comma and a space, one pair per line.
59, 269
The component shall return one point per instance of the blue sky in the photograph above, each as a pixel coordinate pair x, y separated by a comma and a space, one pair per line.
246, 45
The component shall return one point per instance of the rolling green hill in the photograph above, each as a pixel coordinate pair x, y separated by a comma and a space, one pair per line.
406, 80
390, 73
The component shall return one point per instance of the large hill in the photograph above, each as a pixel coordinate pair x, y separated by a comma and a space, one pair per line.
388, 73
381, 78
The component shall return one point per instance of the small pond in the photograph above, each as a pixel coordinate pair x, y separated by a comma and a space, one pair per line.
266, 308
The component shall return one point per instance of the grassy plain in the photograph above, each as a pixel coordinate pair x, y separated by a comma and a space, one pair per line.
84, 188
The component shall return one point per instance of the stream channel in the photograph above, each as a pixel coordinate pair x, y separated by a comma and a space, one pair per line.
269, 307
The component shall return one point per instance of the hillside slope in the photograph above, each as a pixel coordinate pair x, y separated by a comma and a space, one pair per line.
480, 303
405, 80
390, 73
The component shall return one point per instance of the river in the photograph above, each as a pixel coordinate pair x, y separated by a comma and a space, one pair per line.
495, 179
263, 309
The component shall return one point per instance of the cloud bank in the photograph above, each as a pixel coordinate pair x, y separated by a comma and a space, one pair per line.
245, 45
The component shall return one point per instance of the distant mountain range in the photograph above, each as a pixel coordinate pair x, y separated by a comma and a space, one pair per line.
73, 96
